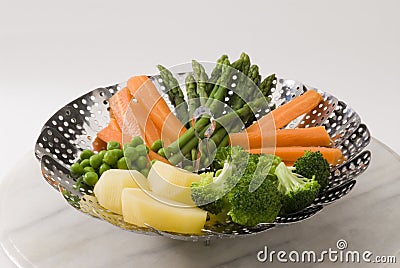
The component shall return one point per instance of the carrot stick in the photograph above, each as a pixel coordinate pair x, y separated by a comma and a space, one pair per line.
148, 96
155, 156
291, 154
286, 113
119, 104
313, 136
112, 132
150, 132
135, 82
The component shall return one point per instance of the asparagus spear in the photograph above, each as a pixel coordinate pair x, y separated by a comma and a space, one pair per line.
175, 93
241, 81
247, 88
193, 97
216, 73
218, 94
201, 78
265, 89
267, 84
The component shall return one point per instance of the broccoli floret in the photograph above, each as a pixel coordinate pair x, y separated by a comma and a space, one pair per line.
260, 206
313, 164
251, 190
209, 193
298, 191
236, 155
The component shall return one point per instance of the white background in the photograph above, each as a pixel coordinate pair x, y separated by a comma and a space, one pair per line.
52, 52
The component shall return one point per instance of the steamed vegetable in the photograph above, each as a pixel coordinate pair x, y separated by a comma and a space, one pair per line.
286, 113
148, 129
108, 189
313, 164
201, 78
145, 209
171, 182
193, 96
157, 109
175, 93
119, 104
290, 154
242, 65
215, 74
313, 136
220, 90
298, 191
112, 132
229, 197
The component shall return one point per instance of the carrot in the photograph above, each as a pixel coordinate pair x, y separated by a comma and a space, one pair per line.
155, 156
135, 83
112, 132
111, 114
148, 96
313, 136
291, 154
286, 113
150, 132
98, 144
119, 104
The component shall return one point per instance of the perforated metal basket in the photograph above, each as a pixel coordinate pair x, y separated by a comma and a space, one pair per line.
73, 129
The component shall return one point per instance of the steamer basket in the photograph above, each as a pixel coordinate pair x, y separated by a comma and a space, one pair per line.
73, 129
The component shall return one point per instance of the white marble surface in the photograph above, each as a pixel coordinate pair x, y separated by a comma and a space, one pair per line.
39, 229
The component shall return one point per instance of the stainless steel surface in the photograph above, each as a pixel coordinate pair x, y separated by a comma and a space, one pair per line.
73, 128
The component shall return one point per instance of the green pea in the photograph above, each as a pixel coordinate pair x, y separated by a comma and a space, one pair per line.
110, 158
132, 166
113, 145
90, 178
103, 168
126, 146
121, 164
96, 161
118, 152
102, 153
76, 170
85, 163
88, 169
136, 141
153, 161
141, 150
141, 162
157, 145
189, 168
131, 154
145, 172
161, 152
86, 154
